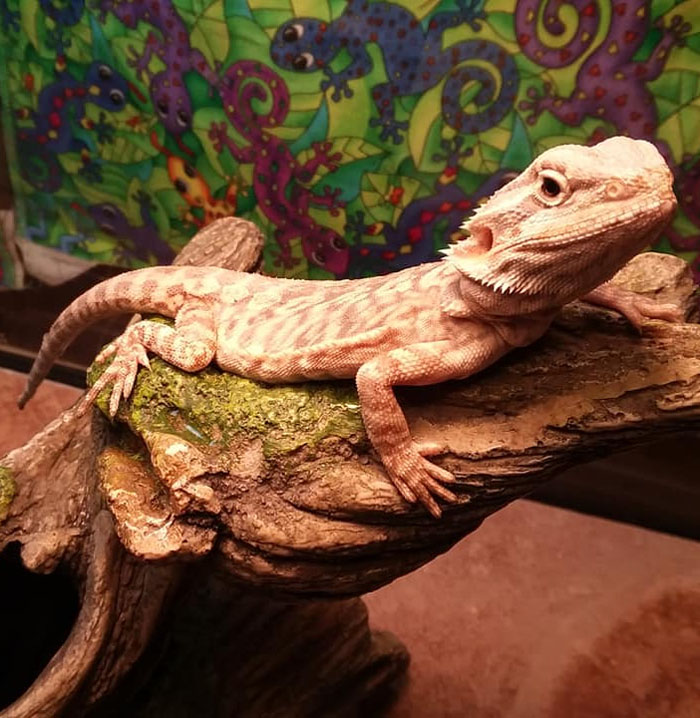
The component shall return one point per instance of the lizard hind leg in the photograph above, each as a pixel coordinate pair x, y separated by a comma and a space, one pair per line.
189, 345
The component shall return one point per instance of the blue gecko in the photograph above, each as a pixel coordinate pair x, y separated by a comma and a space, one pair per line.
414, 60
59, 104
8, 18
64, 13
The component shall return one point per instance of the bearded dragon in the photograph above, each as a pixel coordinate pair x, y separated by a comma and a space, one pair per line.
556, 233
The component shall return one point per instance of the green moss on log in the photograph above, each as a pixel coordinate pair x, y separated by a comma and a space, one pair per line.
8, 489
212, 406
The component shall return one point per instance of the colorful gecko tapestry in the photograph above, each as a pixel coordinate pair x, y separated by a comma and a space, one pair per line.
357, 134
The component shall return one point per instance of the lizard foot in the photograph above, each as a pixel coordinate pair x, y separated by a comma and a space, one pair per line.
637, 308
677, 30
140, 61
338, 82
104, 130
355, 225
453, 153
90, 170
537, 102
470, 12
330, 199
323, 156
218, 135
390, 128
121, 373
418, 479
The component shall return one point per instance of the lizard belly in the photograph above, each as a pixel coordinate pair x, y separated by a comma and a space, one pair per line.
330, 359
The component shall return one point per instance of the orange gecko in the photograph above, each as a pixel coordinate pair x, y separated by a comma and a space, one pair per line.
195, 191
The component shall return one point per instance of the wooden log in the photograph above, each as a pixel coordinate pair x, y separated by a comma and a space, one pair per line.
232, 501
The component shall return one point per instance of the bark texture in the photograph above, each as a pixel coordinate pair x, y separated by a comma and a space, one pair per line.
196, 522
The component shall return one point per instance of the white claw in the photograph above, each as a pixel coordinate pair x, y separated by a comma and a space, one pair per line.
129, 384
115, 396
142, 357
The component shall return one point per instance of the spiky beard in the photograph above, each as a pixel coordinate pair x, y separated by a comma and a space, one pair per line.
566, 263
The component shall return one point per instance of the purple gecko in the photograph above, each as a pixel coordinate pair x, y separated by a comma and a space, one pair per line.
142, 242
172, 46
9, 19
276, 173
414, 60
610, 84
427, 223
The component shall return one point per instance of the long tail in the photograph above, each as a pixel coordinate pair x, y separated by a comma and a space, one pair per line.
248, 85
496, 68
143, 290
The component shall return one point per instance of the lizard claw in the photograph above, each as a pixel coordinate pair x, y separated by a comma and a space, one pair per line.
432, 448
643, 308
121, 373
106, 352
418, 479
677, 28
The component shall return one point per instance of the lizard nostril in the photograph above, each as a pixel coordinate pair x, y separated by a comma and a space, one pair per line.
483, 239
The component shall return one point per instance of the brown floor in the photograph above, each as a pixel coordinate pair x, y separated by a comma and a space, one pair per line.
542, 613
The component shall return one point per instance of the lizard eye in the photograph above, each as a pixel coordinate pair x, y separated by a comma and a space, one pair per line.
318, 257
103, 72
553, 188
180, 186
108, 211
292, 33
303, 61
337, 244
550, 187
116, 97
183, 119
189, 170
162, 107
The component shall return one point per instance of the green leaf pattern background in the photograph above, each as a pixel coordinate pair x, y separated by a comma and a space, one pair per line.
130, 125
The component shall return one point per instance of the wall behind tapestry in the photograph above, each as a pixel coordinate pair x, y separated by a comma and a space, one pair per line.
357, 134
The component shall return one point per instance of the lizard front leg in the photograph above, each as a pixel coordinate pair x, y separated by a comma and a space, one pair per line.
360, 65
190, 345
417, 365
634, 307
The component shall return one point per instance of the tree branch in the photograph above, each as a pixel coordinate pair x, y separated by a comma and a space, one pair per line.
280, 490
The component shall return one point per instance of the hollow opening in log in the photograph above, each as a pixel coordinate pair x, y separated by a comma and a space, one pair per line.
37, 612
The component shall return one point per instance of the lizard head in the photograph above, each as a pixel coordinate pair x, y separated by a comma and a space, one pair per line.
570, 221
302, 45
